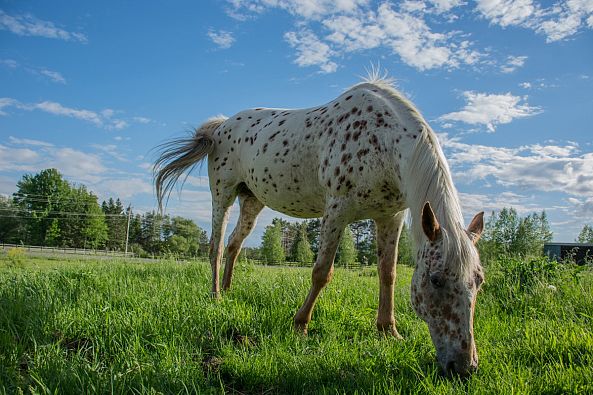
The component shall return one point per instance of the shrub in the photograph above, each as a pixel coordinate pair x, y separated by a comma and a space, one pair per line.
16, 256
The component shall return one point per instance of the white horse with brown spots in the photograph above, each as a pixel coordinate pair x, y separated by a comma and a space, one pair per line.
367, 154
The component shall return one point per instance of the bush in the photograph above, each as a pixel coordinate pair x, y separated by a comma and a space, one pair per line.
15, 256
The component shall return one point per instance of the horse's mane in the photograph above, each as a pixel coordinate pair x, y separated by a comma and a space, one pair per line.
432, 182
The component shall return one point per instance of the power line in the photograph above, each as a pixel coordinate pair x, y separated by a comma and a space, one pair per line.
55, 198
62, 213
44, 218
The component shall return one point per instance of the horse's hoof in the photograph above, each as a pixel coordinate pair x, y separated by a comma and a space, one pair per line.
389, 330
215, 295
300, 328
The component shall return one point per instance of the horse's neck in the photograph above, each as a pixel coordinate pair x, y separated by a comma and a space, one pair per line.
426, 177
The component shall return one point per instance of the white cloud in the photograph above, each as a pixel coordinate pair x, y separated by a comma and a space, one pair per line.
445, 5
545, 168
17, 159
491, 109
124, 188
20, 141
557, 22
28, 25
311, 51
307, 9
13, 64
513, 63
58, 109
142, 120
222, 38
76, 165
473, 203
7, 102
100, 119
349, 26
111, 150
53, 75
506, 12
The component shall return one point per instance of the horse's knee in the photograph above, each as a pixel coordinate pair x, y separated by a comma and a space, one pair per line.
322, 275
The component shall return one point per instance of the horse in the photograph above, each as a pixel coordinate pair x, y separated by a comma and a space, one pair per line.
368, 154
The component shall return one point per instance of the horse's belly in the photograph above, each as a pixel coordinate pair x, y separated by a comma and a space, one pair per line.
288, 189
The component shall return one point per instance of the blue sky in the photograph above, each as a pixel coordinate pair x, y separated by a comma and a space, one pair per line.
91, 87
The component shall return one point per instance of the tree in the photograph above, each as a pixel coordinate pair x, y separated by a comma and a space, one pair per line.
185, 237
272, 249
117, 223
365, 241
313, 230
507, 233
405, 251
38, 196
11, 223
59, 213
302, 252
586, 235
346, 255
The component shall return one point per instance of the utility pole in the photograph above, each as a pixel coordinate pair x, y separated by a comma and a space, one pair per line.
128, 229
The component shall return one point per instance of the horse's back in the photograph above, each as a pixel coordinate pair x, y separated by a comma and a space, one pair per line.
295, 161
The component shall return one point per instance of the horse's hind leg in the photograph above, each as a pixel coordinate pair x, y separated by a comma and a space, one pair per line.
250, 209
388, 232
220, 217
332, 228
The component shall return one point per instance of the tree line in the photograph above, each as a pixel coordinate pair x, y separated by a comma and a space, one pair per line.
505, 233
49, 211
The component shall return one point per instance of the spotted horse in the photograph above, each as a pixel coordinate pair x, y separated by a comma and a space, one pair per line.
367, 154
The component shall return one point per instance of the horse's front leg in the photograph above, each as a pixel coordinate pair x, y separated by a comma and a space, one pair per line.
332, 227
388, 232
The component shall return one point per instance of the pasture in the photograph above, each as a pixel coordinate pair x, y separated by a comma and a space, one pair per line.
71, 326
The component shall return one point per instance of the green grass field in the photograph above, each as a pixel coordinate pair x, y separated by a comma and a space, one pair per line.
122, 327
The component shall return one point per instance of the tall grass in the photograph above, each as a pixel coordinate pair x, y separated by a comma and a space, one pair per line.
123, 327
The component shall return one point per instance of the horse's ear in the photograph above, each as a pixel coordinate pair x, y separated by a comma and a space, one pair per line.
430, 225
476, 227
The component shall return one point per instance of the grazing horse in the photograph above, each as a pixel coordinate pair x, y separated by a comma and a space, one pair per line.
367, 154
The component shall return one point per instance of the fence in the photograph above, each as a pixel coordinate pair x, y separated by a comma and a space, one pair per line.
64, 250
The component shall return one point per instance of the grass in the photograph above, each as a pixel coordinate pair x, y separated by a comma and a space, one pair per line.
123, 327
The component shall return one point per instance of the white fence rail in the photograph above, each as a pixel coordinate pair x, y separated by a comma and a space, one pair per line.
64, 250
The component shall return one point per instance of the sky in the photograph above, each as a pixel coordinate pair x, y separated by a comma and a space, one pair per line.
90, 88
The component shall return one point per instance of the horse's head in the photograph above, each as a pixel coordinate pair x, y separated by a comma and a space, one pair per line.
446, 281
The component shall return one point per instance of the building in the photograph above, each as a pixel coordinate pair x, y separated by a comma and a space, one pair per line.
577, 252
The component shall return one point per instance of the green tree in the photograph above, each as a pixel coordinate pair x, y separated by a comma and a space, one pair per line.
586, 235
117, 222
12, 226
38, 196
185, 238
506, 233
313, 230
365, 241
302, 252
71, 215
346, 255
272, 249
52, 236
405, 251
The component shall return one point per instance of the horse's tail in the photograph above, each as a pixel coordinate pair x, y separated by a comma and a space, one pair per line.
179, 155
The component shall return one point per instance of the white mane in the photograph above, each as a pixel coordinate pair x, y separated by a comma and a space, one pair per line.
433, 183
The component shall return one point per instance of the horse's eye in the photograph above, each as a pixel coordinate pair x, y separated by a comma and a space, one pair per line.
437, 280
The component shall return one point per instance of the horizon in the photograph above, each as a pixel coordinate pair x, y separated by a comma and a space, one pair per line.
92, 89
